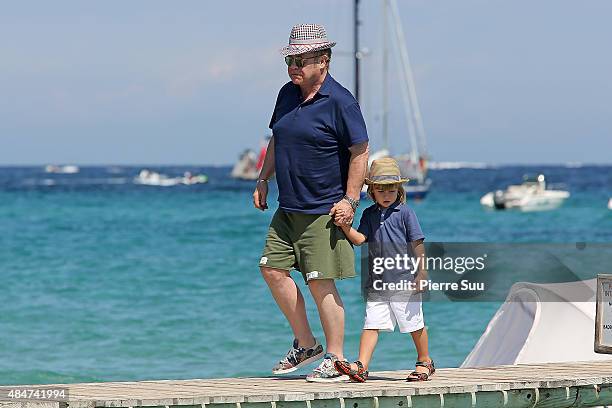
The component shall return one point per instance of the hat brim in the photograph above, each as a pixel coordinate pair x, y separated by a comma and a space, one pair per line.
401, 180
304, 48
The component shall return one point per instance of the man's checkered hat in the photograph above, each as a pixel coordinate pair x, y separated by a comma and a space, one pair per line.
306, 38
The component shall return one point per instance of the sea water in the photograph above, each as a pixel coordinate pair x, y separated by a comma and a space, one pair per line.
105, 280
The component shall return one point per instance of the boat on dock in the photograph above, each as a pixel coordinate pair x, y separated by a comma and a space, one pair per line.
531, 195
521, 330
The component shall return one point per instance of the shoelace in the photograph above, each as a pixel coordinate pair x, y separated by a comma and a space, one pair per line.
291, 353
325, 366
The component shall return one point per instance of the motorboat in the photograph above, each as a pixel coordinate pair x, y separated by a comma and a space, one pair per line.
189, 179
152, 178
532, 195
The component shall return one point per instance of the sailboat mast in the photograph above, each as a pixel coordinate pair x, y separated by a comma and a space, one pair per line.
356, 45
385, 74
409, 81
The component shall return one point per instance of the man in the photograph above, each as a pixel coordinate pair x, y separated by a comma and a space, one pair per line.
319, 152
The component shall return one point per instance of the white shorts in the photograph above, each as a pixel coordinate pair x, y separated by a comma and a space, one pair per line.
384, 315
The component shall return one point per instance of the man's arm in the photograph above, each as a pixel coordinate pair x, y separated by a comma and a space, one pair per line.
358, 166
342, 211
260, 195
267, 169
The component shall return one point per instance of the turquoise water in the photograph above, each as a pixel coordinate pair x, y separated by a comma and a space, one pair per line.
105, 280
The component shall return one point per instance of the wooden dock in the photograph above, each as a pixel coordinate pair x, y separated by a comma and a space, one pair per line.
580, 384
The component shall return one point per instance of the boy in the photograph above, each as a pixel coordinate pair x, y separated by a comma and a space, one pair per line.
390, 228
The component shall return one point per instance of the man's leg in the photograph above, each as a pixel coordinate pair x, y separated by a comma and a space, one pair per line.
331, 313
289, 299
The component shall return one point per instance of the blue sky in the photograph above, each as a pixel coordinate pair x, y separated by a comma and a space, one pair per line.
194, 82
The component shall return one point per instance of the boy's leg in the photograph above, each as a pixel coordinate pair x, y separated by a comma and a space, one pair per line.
367, 344
422, 347
409, 316
378, 317
289, 299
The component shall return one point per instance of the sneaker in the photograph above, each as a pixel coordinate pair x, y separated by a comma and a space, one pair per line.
298, 357
326, 372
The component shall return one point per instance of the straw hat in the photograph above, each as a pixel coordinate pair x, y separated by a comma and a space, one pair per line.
385, 171
306, 38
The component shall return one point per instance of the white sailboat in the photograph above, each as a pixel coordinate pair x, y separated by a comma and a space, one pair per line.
414, 163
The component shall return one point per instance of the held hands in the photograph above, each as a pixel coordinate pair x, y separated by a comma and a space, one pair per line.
260, 196
343, 213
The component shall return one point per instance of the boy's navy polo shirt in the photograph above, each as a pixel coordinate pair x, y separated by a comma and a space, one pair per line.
389, 236
311, 141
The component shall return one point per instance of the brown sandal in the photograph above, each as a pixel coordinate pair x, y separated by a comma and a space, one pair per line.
359, 375
419, 376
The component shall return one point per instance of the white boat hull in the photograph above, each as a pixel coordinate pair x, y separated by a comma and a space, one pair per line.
548, 200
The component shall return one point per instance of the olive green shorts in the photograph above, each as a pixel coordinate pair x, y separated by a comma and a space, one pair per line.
311, 244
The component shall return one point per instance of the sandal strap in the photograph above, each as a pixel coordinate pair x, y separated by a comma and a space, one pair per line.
360, 368
419, 375
429, 365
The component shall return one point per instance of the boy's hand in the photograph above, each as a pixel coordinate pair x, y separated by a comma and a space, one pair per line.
342, 212
420, 277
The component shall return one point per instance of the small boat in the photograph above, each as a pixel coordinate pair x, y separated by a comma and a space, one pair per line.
610, 204
189, 179
532, 195
152, 178
249, 164
246, 166
68, 169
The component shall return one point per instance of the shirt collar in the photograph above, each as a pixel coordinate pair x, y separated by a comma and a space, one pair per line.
392, 207
324, 90
326, 86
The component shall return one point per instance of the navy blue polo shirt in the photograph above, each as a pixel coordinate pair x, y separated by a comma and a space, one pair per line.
311, 145
390, 235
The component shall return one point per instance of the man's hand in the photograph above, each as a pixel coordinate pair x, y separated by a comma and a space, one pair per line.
342, 212
260, 196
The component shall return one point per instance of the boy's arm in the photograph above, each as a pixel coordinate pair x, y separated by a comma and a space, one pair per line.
353, 235
418, 249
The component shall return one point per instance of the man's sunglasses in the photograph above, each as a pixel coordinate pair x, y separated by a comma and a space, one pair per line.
299, 61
